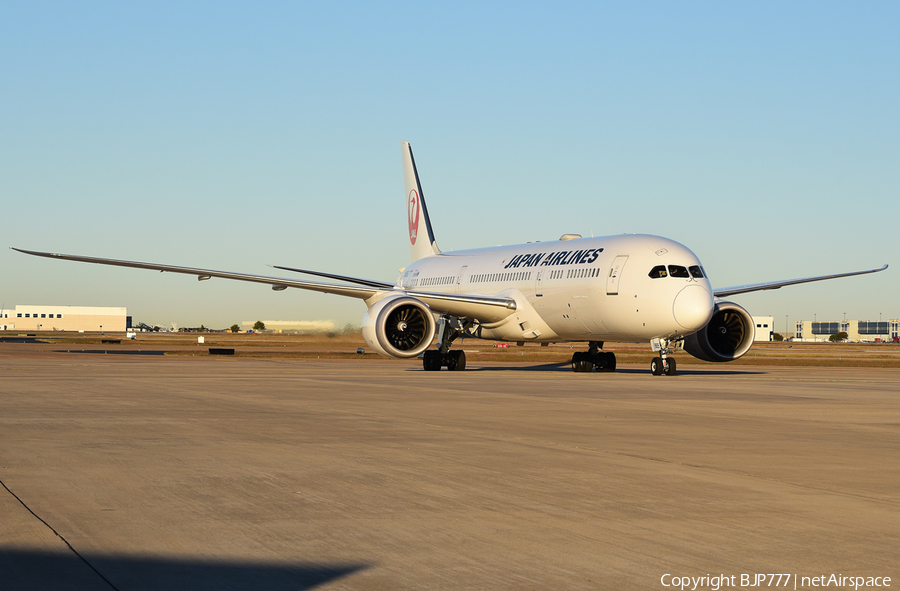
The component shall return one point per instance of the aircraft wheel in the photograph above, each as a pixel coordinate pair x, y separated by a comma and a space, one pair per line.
605, 361
670, 367
656, 366
456, 360
581, 362
431, 361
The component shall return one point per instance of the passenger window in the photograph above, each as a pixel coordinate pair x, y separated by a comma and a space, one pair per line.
678, 271
657, 272
696, 272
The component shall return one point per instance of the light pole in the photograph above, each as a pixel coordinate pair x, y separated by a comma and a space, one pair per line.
786, 325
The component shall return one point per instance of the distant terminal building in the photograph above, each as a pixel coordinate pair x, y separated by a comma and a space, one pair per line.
74, 318
291, 325
857, 330
765, 327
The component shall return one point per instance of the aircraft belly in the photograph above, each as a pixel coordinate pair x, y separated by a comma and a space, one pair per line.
587, 305
559, 311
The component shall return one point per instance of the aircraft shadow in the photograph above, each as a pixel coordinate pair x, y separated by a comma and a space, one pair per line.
566, 367
109, 352
28, 569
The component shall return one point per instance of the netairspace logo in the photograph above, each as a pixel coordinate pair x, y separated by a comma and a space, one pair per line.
783, 580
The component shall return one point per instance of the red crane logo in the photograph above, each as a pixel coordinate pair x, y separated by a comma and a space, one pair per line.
412, 208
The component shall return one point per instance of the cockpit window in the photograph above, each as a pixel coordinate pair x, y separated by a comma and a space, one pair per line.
678, 271
696, 271
657, 272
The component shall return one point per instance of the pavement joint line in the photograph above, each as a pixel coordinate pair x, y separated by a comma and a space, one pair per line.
57, 534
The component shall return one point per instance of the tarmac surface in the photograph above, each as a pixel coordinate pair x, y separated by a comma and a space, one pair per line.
133, 472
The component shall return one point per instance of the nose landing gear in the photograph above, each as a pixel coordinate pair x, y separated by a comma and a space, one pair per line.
664, 364
660, 366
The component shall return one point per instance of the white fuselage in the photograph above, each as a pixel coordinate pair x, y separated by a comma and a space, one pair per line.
596, 289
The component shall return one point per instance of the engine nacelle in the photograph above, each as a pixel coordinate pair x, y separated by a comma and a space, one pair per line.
726, 337
398, 326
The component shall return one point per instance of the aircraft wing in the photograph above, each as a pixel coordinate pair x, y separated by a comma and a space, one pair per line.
361, 292
484, 308
728, 291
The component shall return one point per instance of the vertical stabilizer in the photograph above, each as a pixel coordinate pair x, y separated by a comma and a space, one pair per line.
421, 236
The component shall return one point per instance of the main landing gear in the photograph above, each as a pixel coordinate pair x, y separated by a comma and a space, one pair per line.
449, 328
663, 364
584, 361
453, 360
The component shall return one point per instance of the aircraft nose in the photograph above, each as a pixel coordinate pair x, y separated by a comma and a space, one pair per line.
693, 307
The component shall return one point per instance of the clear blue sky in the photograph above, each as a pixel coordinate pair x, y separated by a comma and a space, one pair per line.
227, 135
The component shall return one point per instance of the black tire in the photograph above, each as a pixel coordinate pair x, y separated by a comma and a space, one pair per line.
604, 361
456, 360
670, 367
581, 362
656, 366
431, 361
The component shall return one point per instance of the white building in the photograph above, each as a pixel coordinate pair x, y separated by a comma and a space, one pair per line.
857, 330
74, 318
765, 327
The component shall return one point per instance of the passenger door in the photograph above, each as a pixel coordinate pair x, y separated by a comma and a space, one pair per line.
615, 273
460, 277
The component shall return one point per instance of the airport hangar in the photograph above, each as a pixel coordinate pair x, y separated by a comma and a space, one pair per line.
857, 330
71, 318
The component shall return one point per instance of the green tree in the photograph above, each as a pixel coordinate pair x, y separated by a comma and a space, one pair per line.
838, 337
234, 328
259, 326
777, 336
